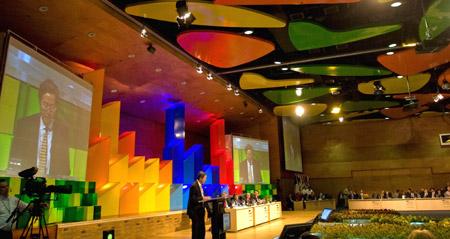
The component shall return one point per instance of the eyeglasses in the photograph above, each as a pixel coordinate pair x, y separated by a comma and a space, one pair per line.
46, 106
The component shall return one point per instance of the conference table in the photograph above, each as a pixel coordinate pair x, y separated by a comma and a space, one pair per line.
314, 205
245, 217
398, 204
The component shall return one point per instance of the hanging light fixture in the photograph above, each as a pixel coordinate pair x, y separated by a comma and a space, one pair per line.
298, 92
184, 18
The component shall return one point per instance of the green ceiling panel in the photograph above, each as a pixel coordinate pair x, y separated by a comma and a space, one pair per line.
341, 70
438, 19
289, 96
364, 105
307, 35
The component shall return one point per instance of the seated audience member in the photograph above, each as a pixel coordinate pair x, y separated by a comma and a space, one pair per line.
432, 192
410, 193
290, 203
257, 199
248, 201
361, 194
447, 193
235, 201
420, 234
397, 194
227, 203
388, 194
321, 196
426, 194
352, 195
341, 200
439, 193
375, 195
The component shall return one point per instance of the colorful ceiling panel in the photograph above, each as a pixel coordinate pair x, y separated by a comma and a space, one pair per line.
280, 2
291, 96
398, 113
206, 14
423, 99
394, 85
341, 70
309, 110
437, 17
306, 35
364, 105
250, 81
407, 62
223, 49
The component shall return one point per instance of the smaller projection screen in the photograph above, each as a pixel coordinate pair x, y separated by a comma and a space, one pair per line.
45, 116
292, 146
250, 160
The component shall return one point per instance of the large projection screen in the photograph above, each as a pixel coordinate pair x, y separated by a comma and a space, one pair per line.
292, 146
250, 160
45, 115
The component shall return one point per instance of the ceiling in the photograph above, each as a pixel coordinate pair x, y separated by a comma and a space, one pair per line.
303, 38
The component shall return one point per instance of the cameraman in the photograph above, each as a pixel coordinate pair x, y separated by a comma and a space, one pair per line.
7, 206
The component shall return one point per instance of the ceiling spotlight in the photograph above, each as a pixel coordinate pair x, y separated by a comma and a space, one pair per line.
299, 110
209, 76
341, 119
438, 97
445, 85
409, 44
151, 49
43, 8
260, 111
284, 68
386, 118
277, 62
143, 33
199, 69
399, 77
229, 87
184, 18
390, 53
378, 89
248, 32
396, 4
336, 110
335, 91
298, 92
236, 92
393, 45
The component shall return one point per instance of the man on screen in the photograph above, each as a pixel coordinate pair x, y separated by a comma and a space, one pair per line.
42, 140
249, 169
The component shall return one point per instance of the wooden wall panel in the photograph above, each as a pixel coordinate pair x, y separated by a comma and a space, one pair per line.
375, 156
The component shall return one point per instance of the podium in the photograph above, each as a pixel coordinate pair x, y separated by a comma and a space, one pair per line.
220, 220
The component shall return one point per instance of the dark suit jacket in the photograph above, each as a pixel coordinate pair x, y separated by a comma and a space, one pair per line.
194, 206
243, 172
24, 147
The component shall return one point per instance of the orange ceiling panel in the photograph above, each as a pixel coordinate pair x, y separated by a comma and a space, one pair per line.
280, 2
398, 113
223, 49
407, 62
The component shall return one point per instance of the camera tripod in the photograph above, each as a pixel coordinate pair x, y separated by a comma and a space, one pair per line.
37, 213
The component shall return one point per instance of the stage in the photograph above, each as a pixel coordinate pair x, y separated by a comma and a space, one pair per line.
267, 230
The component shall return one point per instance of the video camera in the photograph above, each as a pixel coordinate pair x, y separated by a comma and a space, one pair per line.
37, 187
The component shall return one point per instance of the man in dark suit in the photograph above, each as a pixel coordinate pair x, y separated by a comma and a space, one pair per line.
196, 207
228, 203
41, 140
249, 169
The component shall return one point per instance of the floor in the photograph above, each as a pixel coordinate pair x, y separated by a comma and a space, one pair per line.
264, 231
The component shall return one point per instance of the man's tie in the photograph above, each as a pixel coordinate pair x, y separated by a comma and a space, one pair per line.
43, 154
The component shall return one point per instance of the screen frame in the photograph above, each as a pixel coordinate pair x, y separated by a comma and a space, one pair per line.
288, 227
4, 43
283, 143
329, 214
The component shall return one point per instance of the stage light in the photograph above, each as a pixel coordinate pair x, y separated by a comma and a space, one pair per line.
209, 76
143, 33
260, 111
396, 4
151, 49
336, 110
393, 45
299, 110
438, 97
199, 69
298, 92
248, 32
389, 53
399, 77
184, 18
277, 62
236, 92
229, 87
378, 89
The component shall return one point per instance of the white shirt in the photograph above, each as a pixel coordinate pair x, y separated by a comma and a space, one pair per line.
250, 172
7, 206
49, 145
201, 188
